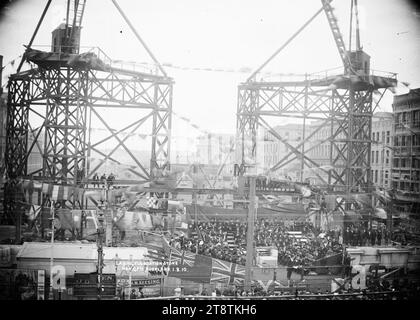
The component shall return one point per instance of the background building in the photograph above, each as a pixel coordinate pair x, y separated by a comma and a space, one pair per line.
382, 150
274, 150
216, 149
406, 161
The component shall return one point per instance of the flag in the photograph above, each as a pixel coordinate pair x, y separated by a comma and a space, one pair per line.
47, 188
182, 258
200, 271
55, 190
227, 272
65, 193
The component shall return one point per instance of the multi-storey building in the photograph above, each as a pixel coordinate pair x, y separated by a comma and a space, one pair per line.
382, 150
406, 160
321, 150
273, 150
216, 149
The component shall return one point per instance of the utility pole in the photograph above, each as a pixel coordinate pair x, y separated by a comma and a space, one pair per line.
99, 243
250, 234
51, 295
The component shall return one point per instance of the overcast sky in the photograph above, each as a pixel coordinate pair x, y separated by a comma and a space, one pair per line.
228, 35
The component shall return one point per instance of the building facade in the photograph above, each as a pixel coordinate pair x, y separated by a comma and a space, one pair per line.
273, 150
216, 149
382, 150
406, 160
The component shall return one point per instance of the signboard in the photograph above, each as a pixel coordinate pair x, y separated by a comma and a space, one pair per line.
146, 282
41, 285
58, 277
86, 284
151, 287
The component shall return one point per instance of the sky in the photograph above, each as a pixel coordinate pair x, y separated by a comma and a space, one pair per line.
236, 36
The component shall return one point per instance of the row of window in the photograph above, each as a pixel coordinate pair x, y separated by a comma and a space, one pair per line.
408, 140
406, 186
413, 163
380, 176
407, 116
385, 136
375, 157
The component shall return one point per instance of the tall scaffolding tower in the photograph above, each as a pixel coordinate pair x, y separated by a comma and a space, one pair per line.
51, 107
343, 103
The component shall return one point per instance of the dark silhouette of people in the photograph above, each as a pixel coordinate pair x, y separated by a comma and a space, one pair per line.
95, 180
103, 180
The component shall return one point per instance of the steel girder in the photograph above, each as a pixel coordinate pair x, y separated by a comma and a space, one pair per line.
346, 112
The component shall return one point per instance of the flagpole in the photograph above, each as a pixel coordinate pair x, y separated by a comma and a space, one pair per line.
165, 279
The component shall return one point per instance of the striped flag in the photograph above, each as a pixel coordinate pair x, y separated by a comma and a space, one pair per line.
47, 188
65, 195
55, 190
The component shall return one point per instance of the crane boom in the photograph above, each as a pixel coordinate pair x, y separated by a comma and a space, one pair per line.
75, 11
332, 20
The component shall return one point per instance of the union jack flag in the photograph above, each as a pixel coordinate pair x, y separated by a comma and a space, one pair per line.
182, 258
227, 272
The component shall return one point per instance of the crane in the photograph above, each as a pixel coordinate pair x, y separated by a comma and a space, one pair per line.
74, 17
332, 20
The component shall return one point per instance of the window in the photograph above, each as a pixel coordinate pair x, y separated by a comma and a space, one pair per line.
377, 136
373, 157
387, 156
396, 162
383, 137
403, 141
376, 176
382, 156
377, 156
388, 137
373, 136
403, 162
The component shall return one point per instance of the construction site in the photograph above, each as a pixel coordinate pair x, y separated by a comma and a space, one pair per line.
287, 209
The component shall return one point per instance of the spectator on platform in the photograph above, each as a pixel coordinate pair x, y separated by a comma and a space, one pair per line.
103, 180
96, 180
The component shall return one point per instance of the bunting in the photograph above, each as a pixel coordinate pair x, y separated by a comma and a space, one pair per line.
61, 193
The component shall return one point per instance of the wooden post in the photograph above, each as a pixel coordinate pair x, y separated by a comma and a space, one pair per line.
250, 234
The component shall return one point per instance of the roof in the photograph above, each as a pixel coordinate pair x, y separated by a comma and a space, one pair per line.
42, 250
77, 251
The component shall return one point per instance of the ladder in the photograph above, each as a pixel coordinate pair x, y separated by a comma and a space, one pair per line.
332, 20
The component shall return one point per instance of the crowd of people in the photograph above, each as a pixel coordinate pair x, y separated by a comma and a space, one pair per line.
103, 180
359, 235
226, 240
384, 290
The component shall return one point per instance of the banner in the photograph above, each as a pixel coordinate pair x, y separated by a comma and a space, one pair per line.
200, 268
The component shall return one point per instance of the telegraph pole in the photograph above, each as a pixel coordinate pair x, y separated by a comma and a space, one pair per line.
250, 233
99, 243
52, 250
